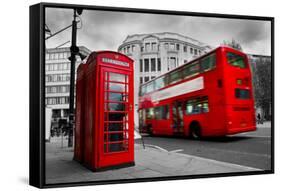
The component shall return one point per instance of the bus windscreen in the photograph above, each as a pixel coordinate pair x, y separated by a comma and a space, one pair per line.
236, 60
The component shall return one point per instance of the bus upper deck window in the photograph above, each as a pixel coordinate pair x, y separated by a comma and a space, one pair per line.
159, 83
175, 76
236, 60
143, 90
191, 70
150, 87
208, 62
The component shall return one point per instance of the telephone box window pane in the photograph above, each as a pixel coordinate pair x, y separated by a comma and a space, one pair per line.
115, 137
115, 107
115, 87
115, 96
117, 77
115, 147
115, 127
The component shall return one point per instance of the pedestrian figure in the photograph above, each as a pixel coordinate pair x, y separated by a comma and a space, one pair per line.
259, 119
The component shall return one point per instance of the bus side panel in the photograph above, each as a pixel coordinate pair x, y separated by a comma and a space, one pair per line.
215, 89
216, 122
162, 127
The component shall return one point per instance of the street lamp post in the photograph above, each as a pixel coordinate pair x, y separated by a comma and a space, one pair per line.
74, 51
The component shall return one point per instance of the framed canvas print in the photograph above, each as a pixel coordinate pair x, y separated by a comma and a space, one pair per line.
123, 95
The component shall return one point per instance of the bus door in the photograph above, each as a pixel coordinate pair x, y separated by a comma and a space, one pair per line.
177, 117
162, 125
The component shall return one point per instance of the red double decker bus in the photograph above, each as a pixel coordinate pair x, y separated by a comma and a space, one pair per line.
209, 96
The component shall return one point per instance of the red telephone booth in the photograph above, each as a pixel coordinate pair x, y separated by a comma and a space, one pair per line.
80, 112
109, 111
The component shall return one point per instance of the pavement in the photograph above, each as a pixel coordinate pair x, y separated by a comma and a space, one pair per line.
150, 162
266, 124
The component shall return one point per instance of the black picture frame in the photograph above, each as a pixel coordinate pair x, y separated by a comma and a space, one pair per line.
37, 93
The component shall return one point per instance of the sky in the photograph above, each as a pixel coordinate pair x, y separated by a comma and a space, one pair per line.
105, 30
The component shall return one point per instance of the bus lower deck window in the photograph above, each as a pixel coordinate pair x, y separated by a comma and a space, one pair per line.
197, 106
242, 93
162, 112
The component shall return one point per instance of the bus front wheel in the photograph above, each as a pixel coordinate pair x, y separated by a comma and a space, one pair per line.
195, 131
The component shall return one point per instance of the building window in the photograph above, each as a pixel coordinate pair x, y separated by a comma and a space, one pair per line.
166, 45
47, 57
153, 64
56, 56
195, 51
184, 48
142, 49
154, 48
146, 78
63, 66
52, 56
191, 50
55, 67
178, 47
158, 64
172, 63
61, 55
172, 46
57, 89
141, 66
146, 65
152, 77
147, 47
65, 112
133, 48
141, 81
128, 49
199, 51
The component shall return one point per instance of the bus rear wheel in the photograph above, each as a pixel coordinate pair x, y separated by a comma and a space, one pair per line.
195, 131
